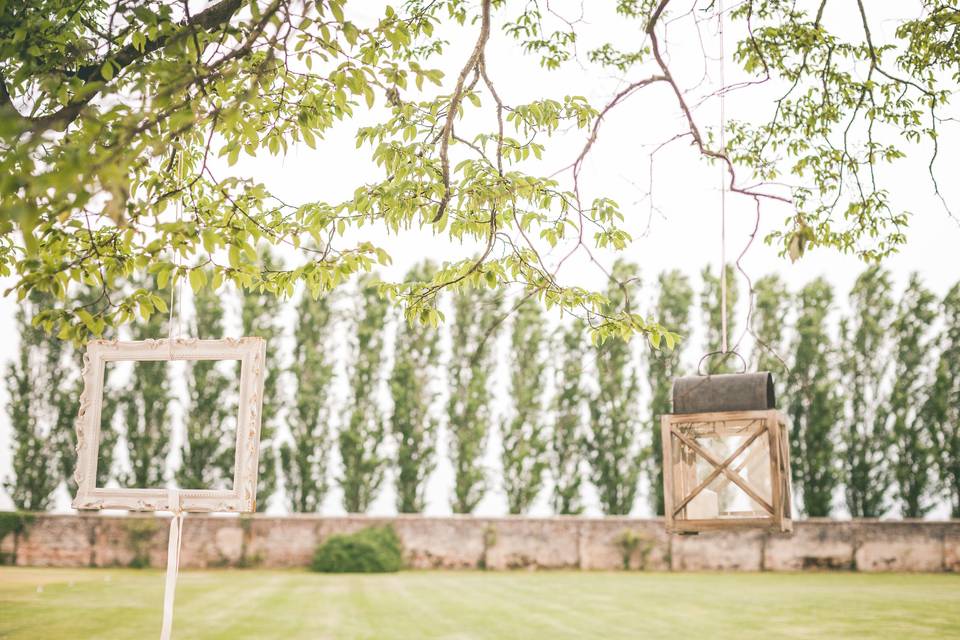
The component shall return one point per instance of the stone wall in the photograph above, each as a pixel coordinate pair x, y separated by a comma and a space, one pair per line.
497, 543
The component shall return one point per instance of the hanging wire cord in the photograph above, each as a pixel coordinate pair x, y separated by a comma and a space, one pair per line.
724, 350
723, 190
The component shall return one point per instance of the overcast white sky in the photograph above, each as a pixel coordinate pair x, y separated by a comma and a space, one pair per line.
682, 230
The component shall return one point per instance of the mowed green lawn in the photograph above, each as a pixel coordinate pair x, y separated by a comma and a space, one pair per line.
293, 605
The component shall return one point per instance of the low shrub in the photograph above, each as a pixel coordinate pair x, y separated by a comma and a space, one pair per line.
370, 550
140, 532
629, 542
16, 523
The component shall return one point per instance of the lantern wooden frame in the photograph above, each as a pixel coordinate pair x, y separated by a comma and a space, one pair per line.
251, 353
681, 452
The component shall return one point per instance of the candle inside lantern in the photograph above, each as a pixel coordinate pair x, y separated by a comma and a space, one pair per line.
704, 505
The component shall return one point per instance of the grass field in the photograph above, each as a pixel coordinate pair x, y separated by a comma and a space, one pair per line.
293, 605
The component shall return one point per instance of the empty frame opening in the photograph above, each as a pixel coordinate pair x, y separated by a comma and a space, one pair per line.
169, 424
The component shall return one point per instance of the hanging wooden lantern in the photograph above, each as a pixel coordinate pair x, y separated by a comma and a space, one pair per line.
726, 455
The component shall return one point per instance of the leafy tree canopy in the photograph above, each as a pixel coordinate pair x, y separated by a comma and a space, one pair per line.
112, 113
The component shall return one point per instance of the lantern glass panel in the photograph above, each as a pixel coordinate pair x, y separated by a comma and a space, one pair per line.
747, 454
722, 470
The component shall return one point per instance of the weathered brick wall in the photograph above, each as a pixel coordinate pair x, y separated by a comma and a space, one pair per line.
497, 543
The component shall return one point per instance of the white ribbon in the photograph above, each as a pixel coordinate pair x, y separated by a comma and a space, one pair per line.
173, 561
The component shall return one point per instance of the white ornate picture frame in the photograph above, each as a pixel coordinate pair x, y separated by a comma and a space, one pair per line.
243, 496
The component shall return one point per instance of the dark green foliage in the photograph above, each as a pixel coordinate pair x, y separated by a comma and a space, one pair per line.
304, 461
15, 523
54, 402
144, 407
38, 407
913, 459
864, 367
140, 533
712, 311
208, 452
663, 365
370, 550
942, 407
611, 444
362, 434
68, 407
414, 430
812, 402
260, 316
476, 316
565, 445
524, 444
770, 309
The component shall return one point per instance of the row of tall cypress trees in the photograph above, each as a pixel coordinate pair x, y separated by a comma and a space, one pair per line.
876, 411
874, 399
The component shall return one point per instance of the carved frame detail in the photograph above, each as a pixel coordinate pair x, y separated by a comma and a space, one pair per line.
249, 351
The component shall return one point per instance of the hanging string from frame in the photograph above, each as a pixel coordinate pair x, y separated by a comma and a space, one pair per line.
176, 286
174, 501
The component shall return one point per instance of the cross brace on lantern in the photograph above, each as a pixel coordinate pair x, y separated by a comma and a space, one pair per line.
726, 469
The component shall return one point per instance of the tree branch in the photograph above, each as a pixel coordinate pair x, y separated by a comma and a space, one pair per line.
688, 115
455, 100
208, 20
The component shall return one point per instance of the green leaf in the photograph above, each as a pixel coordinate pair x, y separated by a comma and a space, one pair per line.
163, 278
197, 279
350, 32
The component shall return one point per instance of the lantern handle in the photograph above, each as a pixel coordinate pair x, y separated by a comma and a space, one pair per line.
721, 353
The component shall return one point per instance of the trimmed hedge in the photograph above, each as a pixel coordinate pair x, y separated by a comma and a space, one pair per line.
370, 550
16, 523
